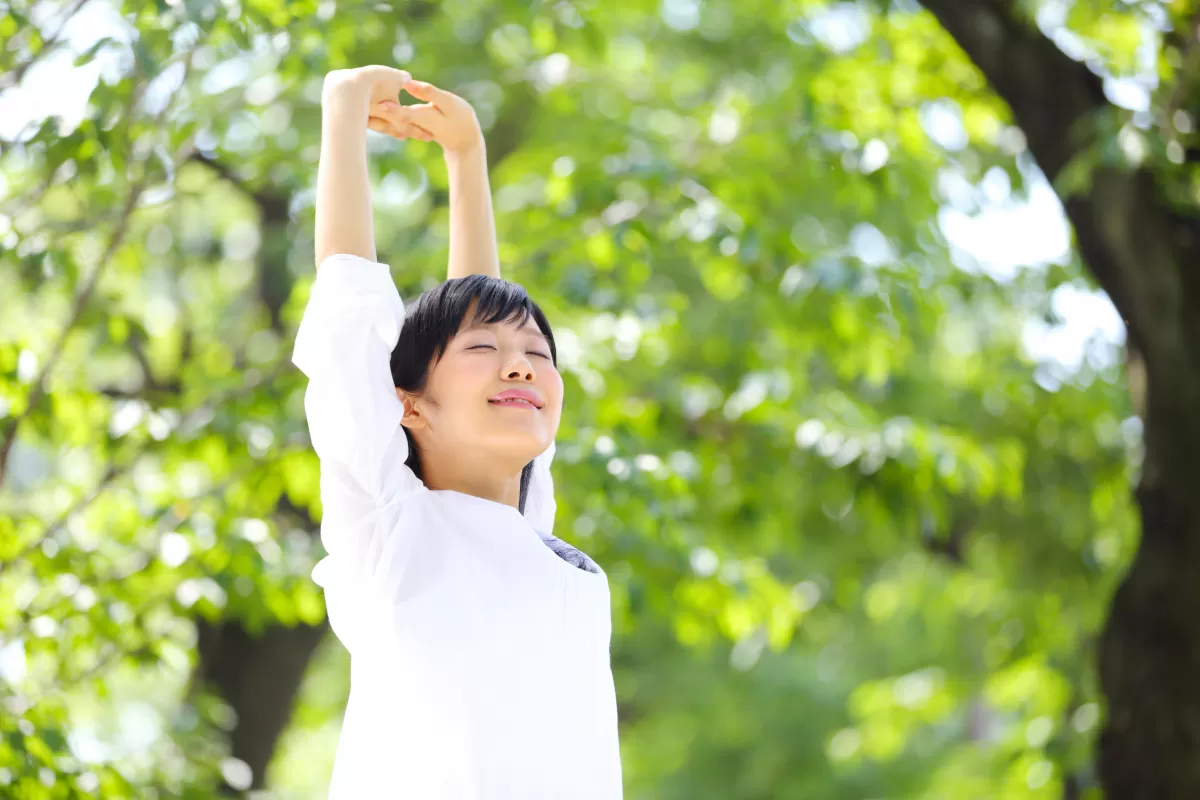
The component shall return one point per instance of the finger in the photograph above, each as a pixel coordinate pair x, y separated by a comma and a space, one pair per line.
425, 115
400, 129
414, 131
380, 125
423, 90
385, 107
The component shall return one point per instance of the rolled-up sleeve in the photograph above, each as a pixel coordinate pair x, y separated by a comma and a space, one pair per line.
343, 345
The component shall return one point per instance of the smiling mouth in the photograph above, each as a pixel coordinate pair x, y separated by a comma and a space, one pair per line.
514, 401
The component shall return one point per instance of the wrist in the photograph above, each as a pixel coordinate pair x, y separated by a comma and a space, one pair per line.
470, 155
345, 89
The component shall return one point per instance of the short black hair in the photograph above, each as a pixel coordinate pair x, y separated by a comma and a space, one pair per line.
437, 316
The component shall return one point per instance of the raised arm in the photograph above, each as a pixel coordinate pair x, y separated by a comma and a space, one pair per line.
350, 100
449, 120
472, 223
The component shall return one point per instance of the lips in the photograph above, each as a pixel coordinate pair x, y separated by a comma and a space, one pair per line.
518, 398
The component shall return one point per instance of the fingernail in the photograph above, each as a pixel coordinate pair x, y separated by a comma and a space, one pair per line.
389, 104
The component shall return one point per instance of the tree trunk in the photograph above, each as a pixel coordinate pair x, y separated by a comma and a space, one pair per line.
1150, 657
1146, 256
258, 676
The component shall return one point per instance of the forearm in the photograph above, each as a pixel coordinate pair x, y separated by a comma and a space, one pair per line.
343, 204
472, 223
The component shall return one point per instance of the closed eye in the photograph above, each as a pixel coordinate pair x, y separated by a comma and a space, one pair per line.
482, 347
538, 353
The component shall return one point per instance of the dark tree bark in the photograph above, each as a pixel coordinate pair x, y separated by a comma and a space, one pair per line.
1146, 256
258, 676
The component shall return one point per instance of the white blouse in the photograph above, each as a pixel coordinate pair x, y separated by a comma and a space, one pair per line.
479, 657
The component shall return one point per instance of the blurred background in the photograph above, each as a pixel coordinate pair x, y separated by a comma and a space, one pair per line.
846, 424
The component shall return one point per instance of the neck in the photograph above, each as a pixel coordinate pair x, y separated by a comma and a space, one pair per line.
504, 488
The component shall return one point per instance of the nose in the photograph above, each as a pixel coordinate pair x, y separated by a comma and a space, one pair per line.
519, 368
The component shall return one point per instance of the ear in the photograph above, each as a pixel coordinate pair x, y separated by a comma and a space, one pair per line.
412, 418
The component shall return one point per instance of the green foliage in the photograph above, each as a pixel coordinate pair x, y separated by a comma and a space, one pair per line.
859, 542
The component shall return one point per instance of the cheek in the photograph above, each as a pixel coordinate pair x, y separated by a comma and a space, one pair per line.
459, 382
552, 388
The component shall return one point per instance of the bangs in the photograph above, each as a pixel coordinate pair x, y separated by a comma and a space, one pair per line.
501, 301
441, 313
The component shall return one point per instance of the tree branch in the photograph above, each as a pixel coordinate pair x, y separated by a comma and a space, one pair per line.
266, 200
14, 77
1053, 97
1129, 241
83, 502
274, 280
81, 301
950, 544
223, 171
116, 471
85, 296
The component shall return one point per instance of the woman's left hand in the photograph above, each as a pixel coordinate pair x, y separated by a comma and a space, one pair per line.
444, 118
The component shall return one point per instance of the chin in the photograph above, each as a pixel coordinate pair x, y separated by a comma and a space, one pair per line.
519, 446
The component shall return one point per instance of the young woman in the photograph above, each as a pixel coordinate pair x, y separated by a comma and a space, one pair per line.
479, 642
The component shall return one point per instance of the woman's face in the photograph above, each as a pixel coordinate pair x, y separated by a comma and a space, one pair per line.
495, 391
